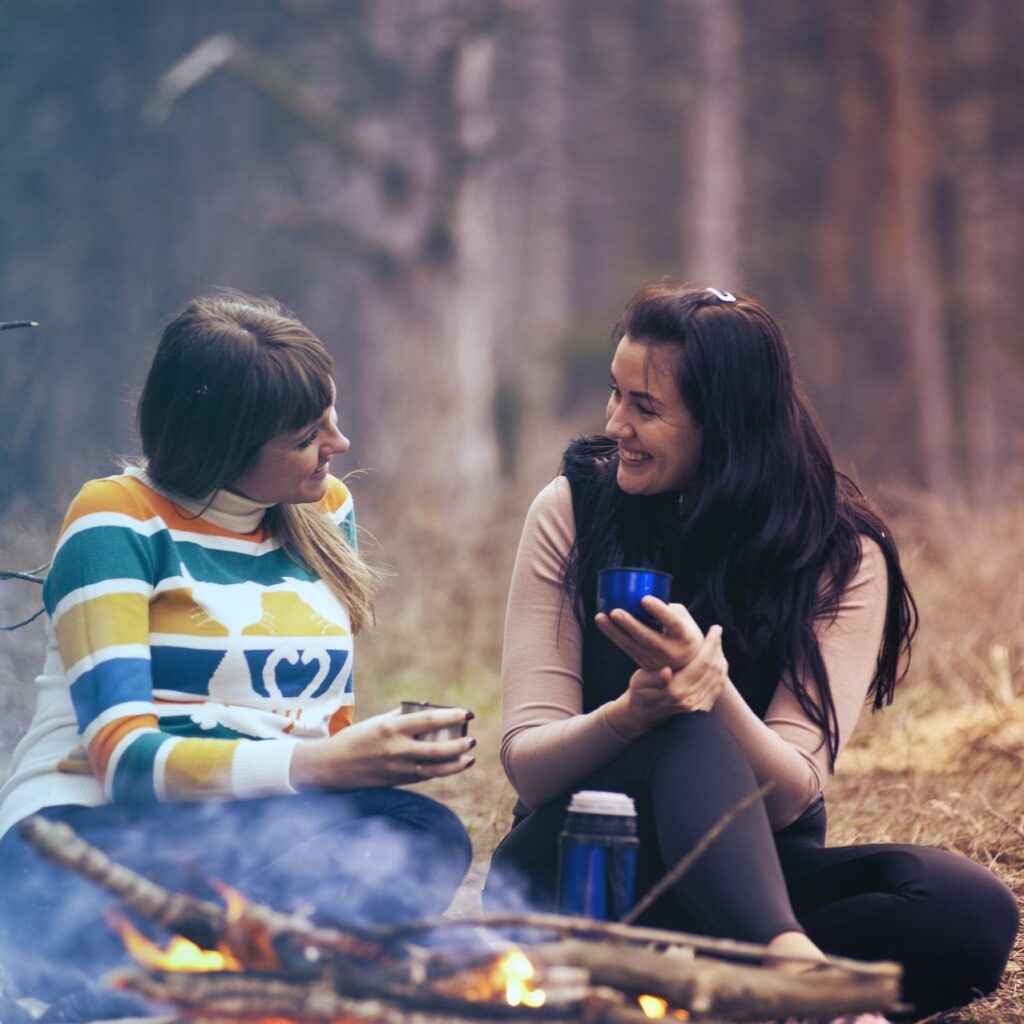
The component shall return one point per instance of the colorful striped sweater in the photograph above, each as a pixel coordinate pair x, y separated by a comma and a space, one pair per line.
185, 657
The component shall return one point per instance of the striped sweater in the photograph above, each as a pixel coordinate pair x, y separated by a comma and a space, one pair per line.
187, 653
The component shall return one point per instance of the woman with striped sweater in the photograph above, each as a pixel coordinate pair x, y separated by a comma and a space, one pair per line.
194, 714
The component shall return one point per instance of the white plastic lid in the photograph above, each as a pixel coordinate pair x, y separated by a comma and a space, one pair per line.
596, 801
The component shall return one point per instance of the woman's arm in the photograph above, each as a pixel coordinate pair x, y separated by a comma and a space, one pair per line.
787, 746
547, 744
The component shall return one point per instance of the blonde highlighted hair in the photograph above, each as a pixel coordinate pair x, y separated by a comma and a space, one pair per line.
231, 372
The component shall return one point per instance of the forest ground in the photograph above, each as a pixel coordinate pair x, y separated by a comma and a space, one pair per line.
943, 765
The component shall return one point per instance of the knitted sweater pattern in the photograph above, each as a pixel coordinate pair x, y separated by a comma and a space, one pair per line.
184, 660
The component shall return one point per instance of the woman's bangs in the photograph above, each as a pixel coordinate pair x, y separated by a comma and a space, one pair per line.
299, 390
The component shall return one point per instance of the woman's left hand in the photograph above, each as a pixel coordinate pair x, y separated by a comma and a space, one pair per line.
655, 695
674, 647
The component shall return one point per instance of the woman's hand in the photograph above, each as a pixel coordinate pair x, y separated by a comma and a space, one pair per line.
653, 696
384, 751
675, 646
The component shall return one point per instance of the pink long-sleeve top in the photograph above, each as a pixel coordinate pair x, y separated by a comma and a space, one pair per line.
548, 744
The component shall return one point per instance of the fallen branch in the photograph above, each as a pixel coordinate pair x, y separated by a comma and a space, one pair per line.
696, 852
633, 935
249, 934
727, 990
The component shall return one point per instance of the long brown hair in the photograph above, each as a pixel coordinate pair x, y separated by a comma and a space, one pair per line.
230, 373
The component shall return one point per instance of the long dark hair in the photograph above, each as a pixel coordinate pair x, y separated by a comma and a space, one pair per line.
232, 371
766, 538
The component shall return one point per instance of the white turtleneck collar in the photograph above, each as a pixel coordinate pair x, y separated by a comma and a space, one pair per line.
231, 511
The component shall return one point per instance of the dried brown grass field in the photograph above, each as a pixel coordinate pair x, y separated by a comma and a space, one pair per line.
944, 765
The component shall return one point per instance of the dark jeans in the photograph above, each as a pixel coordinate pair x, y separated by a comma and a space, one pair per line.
371, 856
949, 922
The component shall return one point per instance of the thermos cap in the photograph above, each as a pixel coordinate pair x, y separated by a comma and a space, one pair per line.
596, 801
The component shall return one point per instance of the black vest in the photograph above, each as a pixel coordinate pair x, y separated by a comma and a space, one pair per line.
606, 669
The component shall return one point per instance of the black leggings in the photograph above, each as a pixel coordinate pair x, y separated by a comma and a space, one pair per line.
949, 922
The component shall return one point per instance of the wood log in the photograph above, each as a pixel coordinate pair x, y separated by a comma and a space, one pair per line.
724, 990
250, 935
566, 926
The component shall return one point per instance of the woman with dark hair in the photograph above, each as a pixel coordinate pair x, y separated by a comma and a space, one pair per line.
789, 611
194, 714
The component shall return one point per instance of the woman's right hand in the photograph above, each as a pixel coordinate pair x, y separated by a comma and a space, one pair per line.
384, 751
673, 644
653, 696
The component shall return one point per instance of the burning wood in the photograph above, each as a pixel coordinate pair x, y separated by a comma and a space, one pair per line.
266, 966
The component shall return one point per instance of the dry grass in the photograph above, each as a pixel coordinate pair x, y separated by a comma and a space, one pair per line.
944, 765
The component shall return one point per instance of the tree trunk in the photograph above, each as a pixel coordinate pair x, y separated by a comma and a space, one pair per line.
919, 290
717, 146
981, 275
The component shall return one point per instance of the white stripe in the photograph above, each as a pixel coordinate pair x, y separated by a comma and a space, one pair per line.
107, 654
243, 547
129, 709
343, 510
160, 767
185, 641
101, 589
143, 527
115, 758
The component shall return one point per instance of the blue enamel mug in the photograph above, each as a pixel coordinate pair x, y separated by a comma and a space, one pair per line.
625, 587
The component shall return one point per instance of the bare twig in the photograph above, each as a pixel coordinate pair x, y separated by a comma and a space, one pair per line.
205, 923
28, 575
24, 622
671, 877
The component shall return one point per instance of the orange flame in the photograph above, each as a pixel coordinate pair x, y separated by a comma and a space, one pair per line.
178, 955
517, 971
655, 1007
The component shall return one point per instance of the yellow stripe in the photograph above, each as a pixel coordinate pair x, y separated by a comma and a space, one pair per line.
199, 768
108, 621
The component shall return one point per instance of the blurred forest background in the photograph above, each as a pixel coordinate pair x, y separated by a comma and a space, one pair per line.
459, 195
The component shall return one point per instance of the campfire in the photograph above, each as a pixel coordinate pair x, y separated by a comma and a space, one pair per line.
241, 961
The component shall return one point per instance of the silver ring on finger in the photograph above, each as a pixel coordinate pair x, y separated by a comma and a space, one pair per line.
419, 767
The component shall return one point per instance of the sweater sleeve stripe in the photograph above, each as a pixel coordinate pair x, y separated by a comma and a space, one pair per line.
130, 772
80, 595
195, 768
91, 628
110, 734
107, 686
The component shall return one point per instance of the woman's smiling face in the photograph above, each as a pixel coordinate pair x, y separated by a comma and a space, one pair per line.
659, 440
292, 467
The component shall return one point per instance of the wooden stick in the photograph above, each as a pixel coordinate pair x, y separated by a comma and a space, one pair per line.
565, 925
201, 921
701, 985
693, 855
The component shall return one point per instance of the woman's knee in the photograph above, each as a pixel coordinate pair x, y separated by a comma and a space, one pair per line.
961, 925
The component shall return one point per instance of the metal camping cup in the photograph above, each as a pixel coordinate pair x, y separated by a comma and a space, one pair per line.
597, 853
625, 587
447, 732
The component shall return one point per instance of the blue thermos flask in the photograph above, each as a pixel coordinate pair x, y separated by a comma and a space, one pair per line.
597, 852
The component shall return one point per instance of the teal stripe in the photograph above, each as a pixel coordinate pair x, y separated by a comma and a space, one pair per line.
228, 567
133, 780
183, 725
348, 528
103, 553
